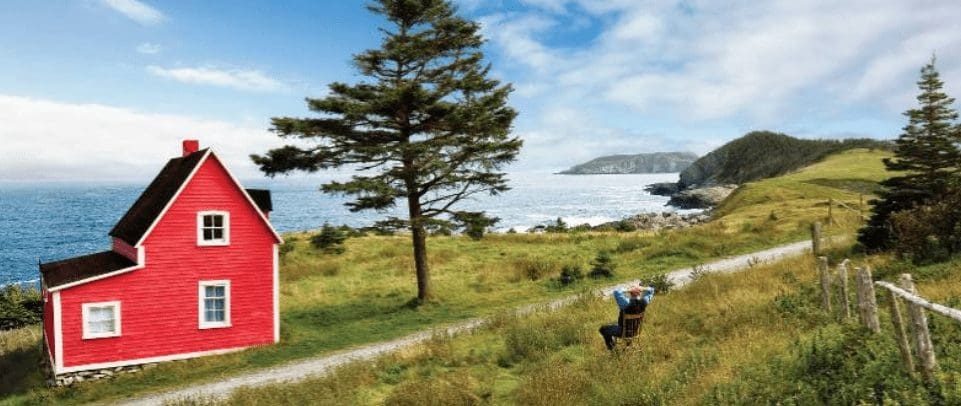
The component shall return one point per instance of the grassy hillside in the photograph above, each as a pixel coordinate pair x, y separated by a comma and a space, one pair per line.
332, 302
764, 154
752, 338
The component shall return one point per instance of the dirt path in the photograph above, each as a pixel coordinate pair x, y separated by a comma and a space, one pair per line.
318, 366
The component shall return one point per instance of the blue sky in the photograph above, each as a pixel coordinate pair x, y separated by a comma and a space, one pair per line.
106, 89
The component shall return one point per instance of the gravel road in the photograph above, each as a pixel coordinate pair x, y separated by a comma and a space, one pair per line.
321, 365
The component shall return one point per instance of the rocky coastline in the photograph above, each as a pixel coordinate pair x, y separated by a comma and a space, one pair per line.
696, 197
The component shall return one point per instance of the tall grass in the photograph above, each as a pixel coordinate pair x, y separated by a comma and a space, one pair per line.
331, 302
753, 338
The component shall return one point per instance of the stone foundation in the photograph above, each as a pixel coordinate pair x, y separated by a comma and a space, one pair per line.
71, 378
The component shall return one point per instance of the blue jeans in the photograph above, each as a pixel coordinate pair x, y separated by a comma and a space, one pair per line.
609, 332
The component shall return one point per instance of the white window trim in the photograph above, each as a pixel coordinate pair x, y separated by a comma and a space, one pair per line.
200, 228
87, 334
203, 324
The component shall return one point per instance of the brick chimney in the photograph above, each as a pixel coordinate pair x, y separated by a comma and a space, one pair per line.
191, 146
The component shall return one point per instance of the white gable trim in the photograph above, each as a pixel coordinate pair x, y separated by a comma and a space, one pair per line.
173, 199
139, 361
186, 182
276, 295
141, 263
57, 333
250, 200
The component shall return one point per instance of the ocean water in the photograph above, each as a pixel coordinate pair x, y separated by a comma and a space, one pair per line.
50, 221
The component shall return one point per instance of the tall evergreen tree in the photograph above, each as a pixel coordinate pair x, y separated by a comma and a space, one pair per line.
926, 155
426, 125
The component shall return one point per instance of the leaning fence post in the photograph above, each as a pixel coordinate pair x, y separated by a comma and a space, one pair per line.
900, 334
831, 211
919, 323
867, 303
843, 277
825, 283
816, 238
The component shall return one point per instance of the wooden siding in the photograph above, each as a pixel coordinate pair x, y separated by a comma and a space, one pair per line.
159, 303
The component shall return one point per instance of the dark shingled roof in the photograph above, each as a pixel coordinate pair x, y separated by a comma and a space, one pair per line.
80, 268
262, 199
155, 197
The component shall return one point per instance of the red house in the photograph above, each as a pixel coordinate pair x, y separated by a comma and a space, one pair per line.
192, 272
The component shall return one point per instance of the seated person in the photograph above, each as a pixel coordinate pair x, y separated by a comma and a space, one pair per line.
635, 305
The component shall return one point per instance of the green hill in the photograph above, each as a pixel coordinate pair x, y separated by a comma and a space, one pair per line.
764, 154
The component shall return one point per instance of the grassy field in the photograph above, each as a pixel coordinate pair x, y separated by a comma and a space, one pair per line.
757, 337
332, 302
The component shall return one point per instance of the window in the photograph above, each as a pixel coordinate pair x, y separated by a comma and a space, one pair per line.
101, 320
213, 228
214, 306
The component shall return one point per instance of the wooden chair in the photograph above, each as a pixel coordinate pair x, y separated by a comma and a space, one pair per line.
630, 326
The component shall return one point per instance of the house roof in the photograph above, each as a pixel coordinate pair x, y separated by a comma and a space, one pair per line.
80, 268
262, 198
138, 219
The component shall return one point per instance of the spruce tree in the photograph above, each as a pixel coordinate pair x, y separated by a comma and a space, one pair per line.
425, 125
926, 156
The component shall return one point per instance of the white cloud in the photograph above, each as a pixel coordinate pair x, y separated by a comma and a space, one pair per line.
92, 142
136, 10
234, 78
148, 48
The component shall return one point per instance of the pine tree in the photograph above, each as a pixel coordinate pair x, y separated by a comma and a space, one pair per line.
426, 125
926, 155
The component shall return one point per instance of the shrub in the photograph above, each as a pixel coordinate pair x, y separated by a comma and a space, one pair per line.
929, 233
558, 226
330, 240
19, 306
660, 282
534, 267
571, 274
602, 266
287, 247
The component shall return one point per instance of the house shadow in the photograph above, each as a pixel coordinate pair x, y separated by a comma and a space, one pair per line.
21, 371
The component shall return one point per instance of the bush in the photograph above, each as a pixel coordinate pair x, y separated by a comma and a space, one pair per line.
19, 306
660, 282
602, 266
929, 233
330, 240
571, 274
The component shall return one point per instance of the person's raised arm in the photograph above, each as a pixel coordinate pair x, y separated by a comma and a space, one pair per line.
648, 294
621, 298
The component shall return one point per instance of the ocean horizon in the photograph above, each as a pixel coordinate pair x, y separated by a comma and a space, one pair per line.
51, 221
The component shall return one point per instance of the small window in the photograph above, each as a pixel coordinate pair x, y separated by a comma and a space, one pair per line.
101, 320
214, 306
213, 228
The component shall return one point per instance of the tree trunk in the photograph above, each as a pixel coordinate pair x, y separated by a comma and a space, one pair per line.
419, 236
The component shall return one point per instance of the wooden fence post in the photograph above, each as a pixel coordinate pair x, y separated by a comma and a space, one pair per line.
867, 303
919, 323
816, 238
825, 283
900, 334
831, 211
843, 277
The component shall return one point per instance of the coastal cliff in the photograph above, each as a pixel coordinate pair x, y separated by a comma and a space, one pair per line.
658, 162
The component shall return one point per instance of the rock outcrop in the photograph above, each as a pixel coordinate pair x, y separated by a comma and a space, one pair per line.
663, 189
656, 221
658, 162
701, 198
